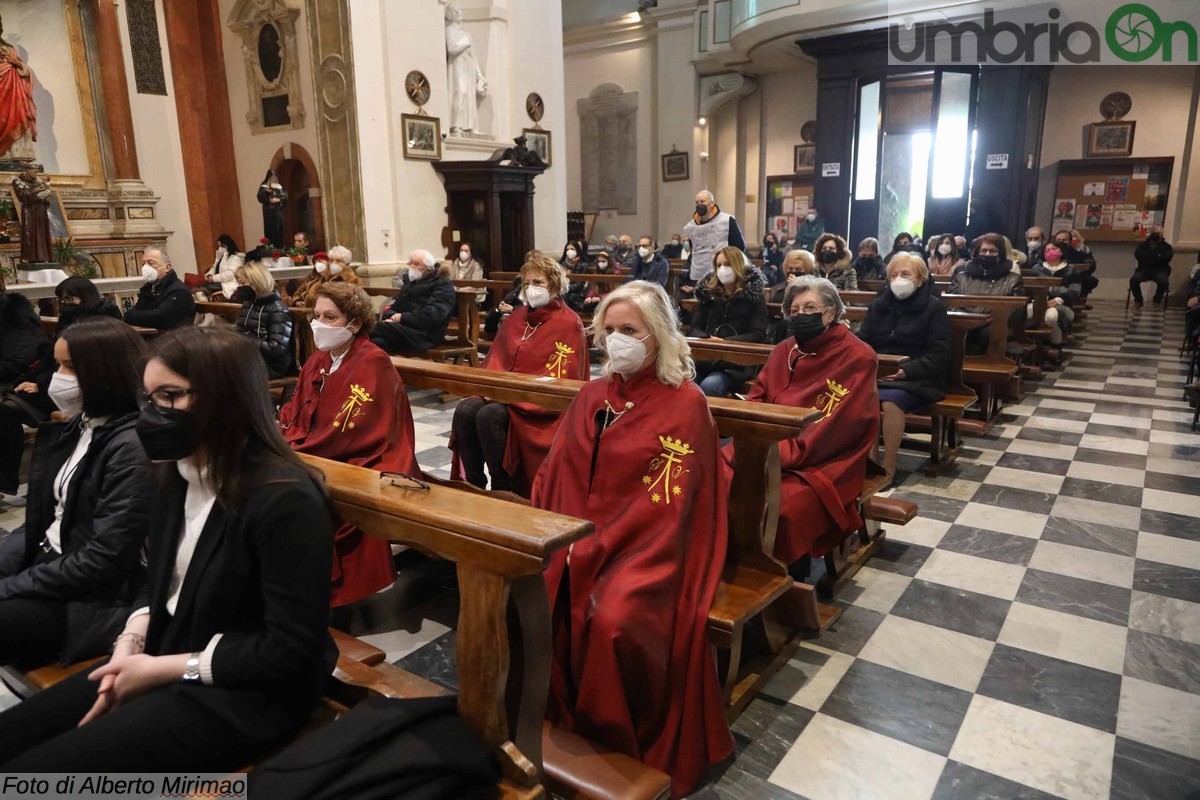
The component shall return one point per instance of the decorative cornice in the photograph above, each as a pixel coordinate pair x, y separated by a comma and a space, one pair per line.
717, 91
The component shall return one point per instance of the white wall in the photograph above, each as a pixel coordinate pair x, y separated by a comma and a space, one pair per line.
1162, 105
520, 44
253, 152
39, 33
160, 156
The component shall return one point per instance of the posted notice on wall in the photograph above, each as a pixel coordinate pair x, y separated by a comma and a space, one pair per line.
997, 161
831, 170
1094, 189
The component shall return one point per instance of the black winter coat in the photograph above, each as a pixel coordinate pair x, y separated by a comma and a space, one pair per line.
165, 304
872, 270
917, 327
740, 318
426, 308
1154, 258
104, 527
269, 324
20, 335
1071, 282
972, 279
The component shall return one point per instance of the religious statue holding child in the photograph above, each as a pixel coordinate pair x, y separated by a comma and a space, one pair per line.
35, 196
466, 80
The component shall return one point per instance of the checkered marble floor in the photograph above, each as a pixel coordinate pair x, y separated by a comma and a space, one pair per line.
1034, 633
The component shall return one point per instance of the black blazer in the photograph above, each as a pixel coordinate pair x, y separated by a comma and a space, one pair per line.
260, 576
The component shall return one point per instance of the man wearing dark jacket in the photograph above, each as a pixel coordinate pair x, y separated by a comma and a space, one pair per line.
416, 319
20, 334
1153, 264
650, 265
164, 302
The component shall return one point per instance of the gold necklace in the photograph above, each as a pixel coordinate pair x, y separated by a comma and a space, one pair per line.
793, 358
525, 336
611, 415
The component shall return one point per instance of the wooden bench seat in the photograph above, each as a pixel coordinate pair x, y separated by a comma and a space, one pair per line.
753, 579
462, 333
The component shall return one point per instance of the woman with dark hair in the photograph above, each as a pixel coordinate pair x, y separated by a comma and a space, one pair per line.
29, 402
350, 406
834, 264
87, 509
272, 197
223, 272
227, 655
943, 256
990, 273
902, 244
731, 305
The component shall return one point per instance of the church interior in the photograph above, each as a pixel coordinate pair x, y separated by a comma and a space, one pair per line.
912, 351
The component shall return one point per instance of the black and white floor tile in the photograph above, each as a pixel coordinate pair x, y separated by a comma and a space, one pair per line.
1034, 633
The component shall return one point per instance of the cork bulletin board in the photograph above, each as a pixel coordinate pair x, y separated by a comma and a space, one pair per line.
1112, 199
788, 200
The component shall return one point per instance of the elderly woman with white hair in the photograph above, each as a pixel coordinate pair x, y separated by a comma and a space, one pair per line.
416, 319
333, 267
638, 455
820, 365
908, 319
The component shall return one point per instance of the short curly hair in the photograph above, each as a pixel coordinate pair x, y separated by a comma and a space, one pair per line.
556, 275
352, 301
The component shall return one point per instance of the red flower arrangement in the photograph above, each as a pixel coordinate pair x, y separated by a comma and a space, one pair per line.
264, 240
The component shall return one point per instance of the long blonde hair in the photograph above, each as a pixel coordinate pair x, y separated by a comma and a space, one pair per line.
737, 261
673, 361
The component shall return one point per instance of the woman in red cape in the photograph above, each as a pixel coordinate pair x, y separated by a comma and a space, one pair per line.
543, 337
350, 406
820, 365
638, 455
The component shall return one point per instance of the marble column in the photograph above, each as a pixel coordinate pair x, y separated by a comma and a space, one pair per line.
116, 92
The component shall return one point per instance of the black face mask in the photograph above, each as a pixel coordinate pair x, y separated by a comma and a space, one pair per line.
69, 313
829, 256
806, 327
868, 261
167, 434
701, 210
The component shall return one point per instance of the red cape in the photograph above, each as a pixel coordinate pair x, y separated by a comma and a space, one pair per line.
824, 467
17, 110
364, 420
557, 348
632, 666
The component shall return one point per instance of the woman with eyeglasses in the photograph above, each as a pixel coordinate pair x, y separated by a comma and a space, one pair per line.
228, 650
68, 583
638, 455
541, 337
350, 406
821, 365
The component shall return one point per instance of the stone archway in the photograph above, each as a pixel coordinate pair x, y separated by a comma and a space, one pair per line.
303, 210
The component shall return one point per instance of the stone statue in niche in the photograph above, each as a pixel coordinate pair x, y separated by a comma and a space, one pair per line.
18, 114
272, 197
466, 80
35, 196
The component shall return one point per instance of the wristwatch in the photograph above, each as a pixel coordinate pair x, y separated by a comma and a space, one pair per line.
191, 673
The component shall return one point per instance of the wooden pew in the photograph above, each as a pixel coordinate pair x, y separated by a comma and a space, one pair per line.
755, 587
50, 328
462, 335
500, 550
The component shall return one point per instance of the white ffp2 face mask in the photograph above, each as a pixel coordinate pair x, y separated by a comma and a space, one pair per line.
903, 288
64, 391
726, 275
414, 274
149, 273
946, 249
321, 267
625, 353
335, 268
644, 252
536, 296
330, 337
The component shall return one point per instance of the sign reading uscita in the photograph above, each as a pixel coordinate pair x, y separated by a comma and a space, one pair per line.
831, 170
997, 161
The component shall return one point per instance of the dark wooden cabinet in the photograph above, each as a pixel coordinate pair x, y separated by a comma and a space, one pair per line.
490, 206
